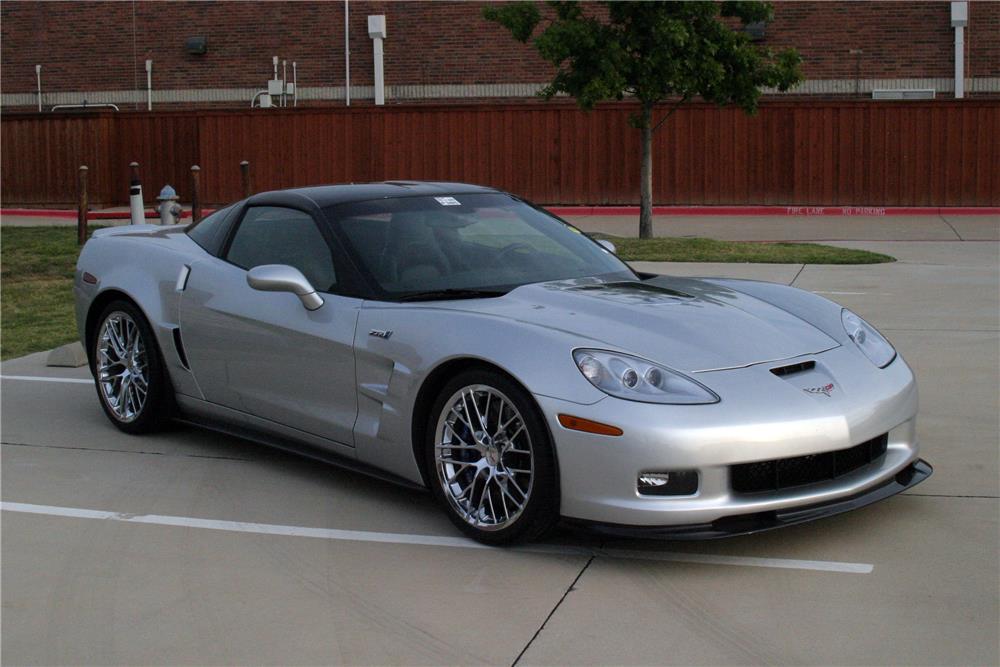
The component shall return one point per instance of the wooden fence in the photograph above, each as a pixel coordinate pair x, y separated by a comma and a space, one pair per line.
941, 153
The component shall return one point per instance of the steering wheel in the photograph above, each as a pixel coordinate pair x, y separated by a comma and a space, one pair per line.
509, 249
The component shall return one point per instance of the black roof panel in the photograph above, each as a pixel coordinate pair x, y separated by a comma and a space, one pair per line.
328, 195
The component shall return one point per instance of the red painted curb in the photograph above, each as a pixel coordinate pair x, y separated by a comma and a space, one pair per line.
876, 211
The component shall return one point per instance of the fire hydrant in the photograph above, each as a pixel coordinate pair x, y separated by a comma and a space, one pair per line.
169, 209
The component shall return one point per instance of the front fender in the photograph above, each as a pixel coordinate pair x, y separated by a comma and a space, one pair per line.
392, 367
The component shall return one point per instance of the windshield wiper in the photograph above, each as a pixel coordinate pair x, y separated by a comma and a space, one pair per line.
452, 293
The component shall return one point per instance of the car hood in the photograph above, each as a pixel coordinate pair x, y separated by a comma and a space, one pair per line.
684, 323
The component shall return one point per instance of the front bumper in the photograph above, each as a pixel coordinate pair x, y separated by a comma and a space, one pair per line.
761, 417
747, 524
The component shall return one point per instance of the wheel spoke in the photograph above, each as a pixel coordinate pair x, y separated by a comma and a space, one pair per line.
503, 502
489, 496
453, 446
461, 438
503, 428
511, 481
463, 420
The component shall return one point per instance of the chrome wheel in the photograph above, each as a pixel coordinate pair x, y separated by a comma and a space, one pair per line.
484, 458
122, 366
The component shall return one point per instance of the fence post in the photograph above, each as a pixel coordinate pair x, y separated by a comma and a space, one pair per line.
195, 195
136, 210
81, 211
245, 178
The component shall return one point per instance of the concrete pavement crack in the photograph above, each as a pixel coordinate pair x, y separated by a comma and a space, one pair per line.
801, 269
125, 451
545, 622
952, 227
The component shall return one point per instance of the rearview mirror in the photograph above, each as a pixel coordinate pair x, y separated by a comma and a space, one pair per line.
283, 278
608, 245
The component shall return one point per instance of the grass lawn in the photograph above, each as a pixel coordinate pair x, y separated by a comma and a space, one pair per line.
668, 249
36, 288
36, 275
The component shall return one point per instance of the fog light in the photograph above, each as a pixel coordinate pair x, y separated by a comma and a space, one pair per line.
671, 483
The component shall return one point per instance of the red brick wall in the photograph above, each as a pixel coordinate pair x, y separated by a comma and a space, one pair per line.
898, 39
89, 45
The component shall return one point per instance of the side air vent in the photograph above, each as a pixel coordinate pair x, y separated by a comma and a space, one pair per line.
794, 368
180, 348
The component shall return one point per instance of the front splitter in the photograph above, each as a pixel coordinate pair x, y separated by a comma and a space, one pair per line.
748, 524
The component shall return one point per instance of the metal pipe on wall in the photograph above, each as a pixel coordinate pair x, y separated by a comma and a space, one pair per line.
959, 19
38, 78
376, 30
295, 85
347, 54
149, 85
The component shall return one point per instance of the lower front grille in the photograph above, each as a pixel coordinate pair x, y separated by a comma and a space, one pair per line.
780, 474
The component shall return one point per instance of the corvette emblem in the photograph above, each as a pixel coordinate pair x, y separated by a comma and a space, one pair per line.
380, 333
826, 389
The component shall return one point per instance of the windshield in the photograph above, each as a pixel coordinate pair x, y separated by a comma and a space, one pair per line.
489, 243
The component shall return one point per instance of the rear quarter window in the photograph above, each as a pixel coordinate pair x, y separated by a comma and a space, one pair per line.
210, 231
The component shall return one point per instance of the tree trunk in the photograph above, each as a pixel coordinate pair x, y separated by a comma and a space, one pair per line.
646, 176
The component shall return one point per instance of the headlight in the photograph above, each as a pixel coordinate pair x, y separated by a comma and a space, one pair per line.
635, 379
866, 337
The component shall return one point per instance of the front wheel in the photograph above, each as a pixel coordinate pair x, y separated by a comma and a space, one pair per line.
132, 382
491, 459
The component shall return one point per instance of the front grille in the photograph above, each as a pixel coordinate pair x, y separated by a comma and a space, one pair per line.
785, 473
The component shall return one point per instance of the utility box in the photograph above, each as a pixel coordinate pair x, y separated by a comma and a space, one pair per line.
265, 101
959, 14
274, 87
376, 26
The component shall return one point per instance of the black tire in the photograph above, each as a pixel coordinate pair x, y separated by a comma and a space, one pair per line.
541, 509
158, 407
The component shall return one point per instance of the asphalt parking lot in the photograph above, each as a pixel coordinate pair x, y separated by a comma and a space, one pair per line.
190, 547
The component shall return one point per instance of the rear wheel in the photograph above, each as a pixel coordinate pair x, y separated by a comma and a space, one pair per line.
492, 459
132, 383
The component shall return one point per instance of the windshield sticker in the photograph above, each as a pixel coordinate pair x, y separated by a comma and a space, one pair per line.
448, 201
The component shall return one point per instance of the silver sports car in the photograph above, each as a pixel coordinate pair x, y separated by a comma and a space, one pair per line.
456, 337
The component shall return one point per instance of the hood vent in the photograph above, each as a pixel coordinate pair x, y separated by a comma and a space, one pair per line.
792, 369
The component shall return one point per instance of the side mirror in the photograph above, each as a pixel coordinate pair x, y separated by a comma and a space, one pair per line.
283, 278
608, 245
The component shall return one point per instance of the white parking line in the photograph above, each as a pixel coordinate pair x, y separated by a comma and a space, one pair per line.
38, 378
431, 540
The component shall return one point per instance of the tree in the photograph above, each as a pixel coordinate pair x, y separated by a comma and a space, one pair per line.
655, 52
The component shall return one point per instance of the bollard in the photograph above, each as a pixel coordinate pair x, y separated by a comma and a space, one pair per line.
195, 195
136, 211
81, 211
245, 178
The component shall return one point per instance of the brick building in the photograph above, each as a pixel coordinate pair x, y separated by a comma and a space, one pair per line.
440, 51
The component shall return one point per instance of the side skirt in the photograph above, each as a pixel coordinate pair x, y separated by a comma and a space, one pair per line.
198, 417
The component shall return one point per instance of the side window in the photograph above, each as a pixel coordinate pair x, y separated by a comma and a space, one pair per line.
276, 235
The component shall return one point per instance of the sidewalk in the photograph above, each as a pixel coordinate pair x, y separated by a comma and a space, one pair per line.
803, 228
